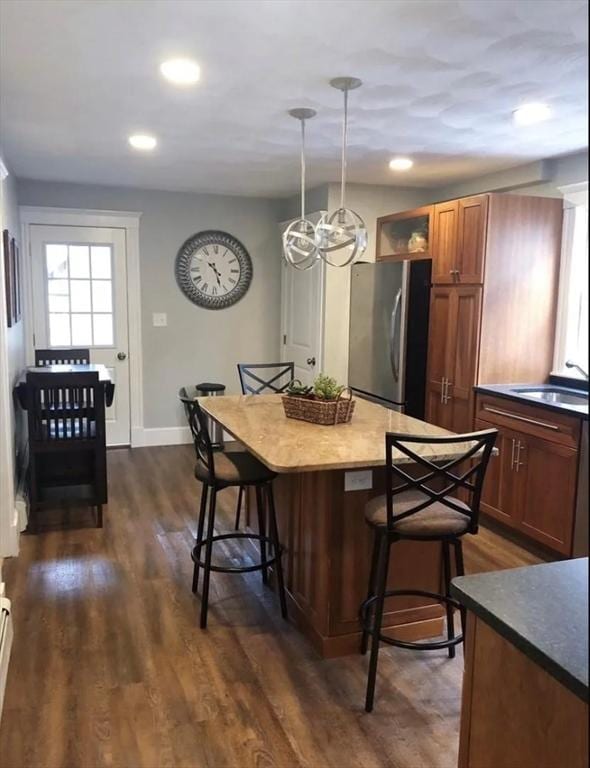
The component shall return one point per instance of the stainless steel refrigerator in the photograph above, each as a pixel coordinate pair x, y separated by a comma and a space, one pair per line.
388, 341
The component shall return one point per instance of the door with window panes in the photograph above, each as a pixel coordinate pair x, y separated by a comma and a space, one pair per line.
80, 300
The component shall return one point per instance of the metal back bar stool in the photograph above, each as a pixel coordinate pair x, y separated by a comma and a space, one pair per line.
281, 375
219, 470
252, 384
423, 508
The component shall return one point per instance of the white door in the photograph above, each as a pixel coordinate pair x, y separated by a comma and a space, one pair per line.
302, 299
80, 300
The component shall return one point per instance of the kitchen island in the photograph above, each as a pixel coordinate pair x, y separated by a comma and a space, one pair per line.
326, 475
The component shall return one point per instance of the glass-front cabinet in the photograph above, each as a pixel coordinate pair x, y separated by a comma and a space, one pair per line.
404, 235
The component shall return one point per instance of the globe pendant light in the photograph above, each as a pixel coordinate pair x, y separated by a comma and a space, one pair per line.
299, 246
341, 235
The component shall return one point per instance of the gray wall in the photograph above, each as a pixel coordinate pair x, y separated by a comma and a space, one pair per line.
15, 335
197, 344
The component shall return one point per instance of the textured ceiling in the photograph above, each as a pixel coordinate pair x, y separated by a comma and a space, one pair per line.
441, 79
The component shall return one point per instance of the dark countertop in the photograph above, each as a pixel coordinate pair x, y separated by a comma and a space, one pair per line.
507, 391
540, 609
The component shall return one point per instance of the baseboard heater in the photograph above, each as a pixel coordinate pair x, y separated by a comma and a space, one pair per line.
6, 633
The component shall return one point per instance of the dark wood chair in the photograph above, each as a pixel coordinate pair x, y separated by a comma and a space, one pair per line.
62, 357
67, 440
281, 375
217, 470
424, 507
276, 378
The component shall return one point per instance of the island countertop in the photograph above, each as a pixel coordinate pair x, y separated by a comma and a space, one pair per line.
289, 445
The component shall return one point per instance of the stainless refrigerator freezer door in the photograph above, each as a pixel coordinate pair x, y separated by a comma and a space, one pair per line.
378, 306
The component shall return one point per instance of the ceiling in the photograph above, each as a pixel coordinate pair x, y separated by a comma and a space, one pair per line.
441, 78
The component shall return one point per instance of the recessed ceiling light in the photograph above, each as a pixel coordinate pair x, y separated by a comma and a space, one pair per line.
401, 164
181, 71
142, 141
531, 113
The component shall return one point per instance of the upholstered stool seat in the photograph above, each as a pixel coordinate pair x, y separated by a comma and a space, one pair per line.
437, 519
235, 468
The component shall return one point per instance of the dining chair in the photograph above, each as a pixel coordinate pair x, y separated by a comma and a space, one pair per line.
68, 356
67, 440
217, 470
276, 378
421, 505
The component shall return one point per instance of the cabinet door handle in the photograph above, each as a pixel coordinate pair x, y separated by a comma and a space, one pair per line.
442, 390
519, 463
536, 422
512, 459
447, 396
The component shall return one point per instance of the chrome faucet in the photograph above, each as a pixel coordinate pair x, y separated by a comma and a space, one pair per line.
571, 364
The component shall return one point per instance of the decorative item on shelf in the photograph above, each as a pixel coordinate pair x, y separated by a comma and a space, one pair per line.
299, 246
325, 403
213, 269
341, 235
418, 242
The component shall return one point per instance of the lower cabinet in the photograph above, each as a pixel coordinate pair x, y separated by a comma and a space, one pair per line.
531, 483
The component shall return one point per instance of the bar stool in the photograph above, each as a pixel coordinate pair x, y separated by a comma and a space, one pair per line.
422, 508
228, 469
281, 375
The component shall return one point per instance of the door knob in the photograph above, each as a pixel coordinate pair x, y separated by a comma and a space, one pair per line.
310, 360
121, 356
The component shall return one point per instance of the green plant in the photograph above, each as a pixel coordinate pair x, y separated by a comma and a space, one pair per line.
298, 389
326, 388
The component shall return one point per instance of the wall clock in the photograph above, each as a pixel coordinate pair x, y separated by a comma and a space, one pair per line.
213, 269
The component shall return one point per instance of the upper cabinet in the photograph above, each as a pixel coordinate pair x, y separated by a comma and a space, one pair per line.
405, 235
458, 241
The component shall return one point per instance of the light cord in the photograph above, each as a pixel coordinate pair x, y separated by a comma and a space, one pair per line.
344, 132
302, 169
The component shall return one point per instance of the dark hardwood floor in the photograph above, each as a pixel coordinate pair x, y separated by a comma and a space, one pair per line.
109, 668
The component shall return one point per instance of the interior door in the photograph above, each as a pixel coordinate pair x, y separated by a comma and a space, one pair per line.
80, 300
301, 339
444, 242
471, 236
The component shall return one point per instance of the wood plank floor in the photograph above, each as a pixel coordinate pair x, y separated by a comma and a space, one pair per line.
109, 668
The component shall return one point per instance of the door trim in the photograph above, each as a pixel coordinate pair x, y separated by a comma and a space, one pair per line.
74, 217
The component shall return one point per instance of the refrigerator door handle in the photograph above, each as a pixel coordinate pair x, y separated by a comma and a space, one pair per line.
394, 355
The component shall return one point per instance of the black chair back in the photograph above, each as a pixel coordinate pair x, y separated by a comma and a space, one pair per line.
64, 408
197, 422
62, 357
437, 482
277, 377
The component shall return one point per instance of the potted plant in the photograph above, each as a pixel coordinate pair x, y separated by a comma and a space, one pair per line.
322, 403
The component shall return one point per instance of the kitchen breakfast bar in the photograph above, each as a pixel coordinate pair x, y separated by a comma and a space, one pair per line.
325, 477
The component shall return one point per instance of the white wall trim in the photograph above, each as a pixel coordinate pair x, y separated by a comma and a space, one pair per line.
575, 194
162, 436
8, 515
127, 220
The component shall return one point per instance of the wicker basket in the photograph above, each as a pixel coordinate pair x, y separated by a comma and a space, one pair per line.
326, 412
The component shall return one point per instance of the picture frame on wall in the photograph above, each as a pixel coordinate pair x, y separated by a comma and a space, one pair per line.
16, 310
8, 279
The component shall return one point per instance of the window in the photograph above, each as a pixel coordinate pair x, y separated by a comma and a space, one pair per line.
572, 326
79, 295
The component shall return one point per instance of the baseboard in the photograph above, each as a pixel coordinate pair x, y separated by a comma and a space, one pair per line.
144, 438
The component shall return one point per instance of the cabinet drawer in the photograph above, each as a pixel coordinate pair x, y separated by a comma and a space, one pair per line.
539, 422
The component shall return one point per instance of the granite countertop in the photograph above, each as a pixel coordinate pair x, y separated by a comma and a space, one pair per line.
542, 610
288, 445
509, 392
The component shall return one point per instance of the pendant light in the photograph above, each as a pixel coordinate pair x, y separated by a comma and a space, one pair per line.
299, 244
341, 235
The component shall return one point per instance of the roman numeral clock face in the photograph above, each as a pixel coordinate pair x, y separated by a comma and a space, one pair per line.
213, 269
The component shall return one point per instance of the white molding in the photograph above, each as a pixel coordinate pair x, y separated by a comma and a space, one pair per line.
162, 436
3, 170
574, 194
129, 221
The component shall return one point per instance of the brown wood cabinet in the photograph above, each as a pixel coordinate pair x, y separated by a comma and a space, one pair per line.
531, 484
488, 323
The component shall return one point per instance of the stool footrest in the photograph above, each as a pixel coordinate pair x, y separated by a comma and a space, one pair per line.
196, 553
419, 646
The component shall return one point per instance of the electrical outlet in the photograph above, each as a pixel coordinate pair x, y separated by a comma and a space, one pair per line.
361, 480
159, 319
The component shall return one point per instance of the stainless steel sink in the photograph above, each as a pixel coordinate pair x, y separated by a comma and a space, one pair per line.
555, 395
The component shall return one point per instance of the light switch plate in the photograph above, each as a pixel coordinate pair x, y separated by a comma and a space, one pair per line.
358, 480
159, 319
